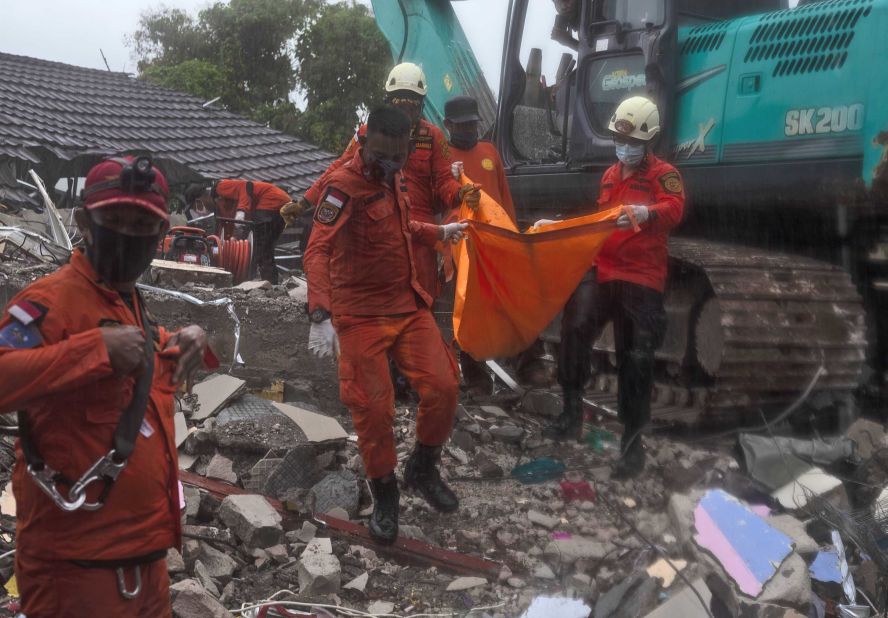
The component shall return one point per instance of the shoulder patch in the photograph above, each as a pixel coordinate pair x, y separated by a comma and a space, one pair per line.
331, 206
20, 336
26, 312
445, 148
487, 164
671, 182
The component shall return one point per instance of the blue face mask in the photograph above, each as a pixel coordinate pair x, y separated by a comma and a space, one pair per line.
630, 154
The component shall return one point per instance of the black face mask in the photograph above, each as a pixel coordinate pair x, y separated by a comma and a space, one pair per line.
119, 258
384, 170
464, 140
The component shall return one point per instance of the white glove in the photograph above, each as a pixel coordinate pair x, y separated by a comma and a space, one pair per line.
642, 214
240, 215
453, 232
542, 223
322, 339
457, 168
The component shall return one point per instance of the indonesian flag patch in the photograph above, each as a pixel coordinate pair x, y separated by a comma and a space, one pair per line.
331, 206
26, 312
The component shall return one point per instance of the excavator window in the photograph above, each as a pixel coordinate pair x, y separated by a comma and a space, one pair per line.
635, 14
610, 80
541, 119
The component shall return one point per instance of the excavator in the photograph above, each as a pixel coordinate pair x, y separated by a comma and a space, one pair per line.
775, 117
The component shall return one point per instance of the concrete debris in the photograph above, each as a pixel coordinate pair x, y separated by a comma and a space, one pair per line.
543, 571
465, 583
685, 603
205, 579
316, 428
252, 519
635, 596
219, 565
191, 600
318, 546
207, 533
249, 286
359, 583
337, 489
319, 573
307, 533
169, 274
575, 548
260, 472
174, 561
380, 607
803, 544
509, 434
221, 468
540, 519
666, 572
213, 393
547, 607
297, 470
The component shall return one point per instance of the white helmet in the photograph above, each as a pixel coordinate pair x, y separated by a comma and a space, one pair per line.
636, 117
407, 76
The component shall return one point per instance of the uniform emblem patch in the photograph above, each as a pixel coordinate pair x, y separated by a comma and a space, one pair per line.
445, 149
20, 336
331, 206
487, 164
671, 182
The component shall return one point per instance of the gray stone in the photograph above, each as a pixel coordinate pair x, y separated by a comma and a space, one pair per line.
359, 583
338, 512
192, 500
259, 473
227, 592
208, 533
795, 529
205, 579
319, 546
517, 582
575, 548
635, 596
413, 532
487, 467
681, 516
306, 534
191, 600
542, 403
221, 468
190, 552
790, 586
508, 434
249, 286
174, 561
278, 553
298, 470
319, 574
252, 519
543, 571
219, 565
463, 439
465, 583
337, 489
381, 607
543, 520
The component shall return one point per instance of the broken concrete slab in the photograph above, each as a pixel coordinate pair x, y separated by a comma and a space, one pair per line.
186, 461
221, 468
213, 393
359, 583
175, 275
576, 548
298, 470
208, 533
181, 428
790, 586
380, 607
465, 583
542, 403
219, 565
543, 571
246, 408
869, 436
306, 533
337, 489
317, 428
746, 546
319, 574
494, 411
685, 603
508, 434
252, 519
260, 472
796, 494
795, 529
319, 546
633, 597
249, 286
191, 600
205, 579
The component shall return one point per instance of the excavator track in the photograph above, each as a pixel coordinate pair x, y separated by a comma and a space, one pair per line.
748, 329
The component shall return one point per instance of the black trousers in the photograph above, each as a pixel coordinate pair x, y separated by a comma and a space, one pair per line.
267, 229
639, 326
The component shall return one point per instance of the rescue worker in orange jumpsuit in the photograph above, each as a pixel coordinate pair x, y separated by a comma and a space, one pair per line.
88, 371
477, 158
627, 284
433, 191
269, 207
366, 302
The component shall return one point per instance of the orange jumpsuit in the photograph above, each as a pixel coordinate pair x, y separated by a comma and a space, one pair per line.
484, 166
73, 401
431, 187
361, 268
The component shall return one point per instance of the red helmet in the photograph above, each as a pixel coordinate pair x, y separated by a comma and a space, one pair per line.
126, 180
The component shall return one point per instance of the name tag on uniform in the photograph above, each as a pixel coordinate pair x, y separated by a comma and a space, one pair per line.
146, 430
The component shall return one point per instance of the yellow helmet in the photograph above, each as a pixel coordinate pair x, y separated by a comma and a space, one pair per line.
636, 117
407, 76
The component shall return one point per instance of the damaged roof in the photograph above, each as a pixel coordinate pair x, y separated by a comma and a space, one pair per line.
61, 118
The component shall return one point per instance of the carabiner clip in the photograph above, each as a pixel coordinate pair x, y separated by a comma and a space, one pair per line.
121, 584
106, 470
45, 480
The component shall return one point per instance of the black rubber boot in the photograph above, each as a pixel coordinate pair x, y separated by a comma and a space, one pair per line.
421, 473
384, 520
632, 456
569, 424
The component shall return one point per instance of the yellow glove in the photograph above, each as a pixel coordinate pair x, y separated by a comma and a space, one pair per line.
291, 211
471, 194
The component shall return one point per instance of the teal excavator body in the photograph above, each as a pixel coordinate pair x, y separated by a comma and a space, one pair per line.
775, 117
